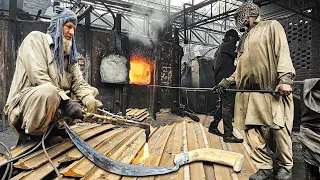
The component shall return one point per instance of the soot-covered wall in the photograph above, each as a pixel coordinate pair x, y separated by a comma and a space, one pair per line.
101, 42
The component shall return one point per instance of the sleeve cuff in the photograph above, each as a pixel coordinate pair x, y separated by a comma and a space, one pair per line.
286, 79
63, 95
87, 98
232, 80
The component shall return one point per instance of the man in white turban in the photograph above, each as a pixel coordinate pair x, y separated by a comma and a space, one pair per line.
46, 75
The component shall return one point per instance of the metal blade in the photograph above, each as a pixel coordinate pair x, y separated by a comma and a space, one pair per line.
114, 166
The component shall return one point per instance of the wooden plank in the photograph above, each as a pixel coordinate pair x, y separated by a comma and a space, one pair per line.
131, 113
126, 156
32, 162
20, 149
142, 114
186, 170
226, 147
83, 166
64, 178
221, 172
203, 143
128, 110
75, 154
142, 118
25, 147
167, 156
98, 173
196, 168
208, 121
248, 167
139, 112
180, 146
202, 118
46, 169
20, 175
152, 141
177, 148
40, 159
157, 151
81, 128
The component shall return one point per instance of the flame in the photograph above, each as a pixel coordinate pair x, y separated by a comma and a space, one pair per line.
140, 70
145, 153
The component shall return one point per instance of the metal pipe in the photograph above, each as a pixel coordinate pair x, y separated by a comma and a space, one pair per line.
249, 90
193, 8
84, 14
120, 120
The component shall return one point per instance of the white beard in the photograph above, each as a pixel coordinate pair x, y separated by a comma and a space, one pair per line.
67, 44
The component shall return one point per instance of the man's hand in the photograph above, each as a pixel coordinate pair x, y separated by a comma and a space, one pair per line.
71, 109
93, 105
284, 89
222, 86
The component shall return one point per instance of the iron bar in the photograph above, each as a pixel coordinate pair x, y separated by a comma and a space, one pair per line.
193, 8
101, 18
198, 37
132, 24
88, 43
298, 12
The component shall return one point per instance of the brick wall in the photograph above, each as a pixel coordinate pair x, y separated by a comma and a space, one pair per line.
315, 50
304, 42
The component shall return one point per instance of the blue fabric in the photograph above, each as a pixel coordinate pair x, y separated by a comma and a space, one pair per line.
60, 17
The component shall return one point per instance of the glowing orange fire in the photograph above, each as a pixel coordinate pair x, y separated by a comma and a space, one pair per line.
140, 70
145, 153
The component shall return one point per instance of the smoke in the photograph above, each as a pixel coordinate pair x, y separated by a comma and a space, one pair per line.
113, 69
149, 27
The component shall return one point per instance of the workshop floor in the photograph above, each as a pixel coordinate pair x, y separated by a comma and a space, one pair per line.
163, 118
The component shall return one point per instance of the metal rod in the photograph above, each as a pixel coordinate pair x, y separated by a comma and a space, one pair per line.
125, 121
249, 90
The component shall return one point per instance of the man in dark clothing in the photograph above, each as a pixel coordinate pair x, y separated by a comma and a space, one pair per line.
310, 127
223, 68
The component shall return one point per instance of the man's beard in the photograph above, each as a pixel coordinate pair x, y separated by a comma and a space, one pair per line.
67, 45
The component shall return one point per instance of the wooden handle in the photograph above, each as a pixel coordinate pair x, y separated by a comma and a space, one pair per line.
213, 155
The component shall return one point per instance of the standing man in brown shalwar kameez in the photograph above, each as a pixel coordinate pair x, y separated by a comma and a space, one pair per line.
46, 76
264, 63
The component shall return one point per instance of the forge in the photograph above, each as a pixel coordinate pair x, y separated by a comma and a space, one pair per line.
140, 70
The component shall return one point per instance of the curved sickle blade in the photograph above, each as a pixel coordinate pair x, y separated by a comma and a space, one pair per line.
113, 166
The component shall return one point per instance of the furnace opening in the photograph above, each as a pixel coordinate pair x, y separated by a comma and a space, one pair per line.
140, 70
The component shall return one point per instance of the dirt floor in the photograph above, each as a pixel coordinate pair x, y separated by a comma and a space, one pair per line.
9, 138
164, 117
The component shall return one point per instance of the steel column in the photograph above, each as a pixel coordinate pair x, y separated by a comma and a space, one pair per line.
178, 53
120, 93
88, 44
154, 91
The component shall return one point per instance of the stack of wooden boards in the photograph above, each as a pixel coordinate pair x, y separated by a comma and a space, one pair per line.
125, 144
